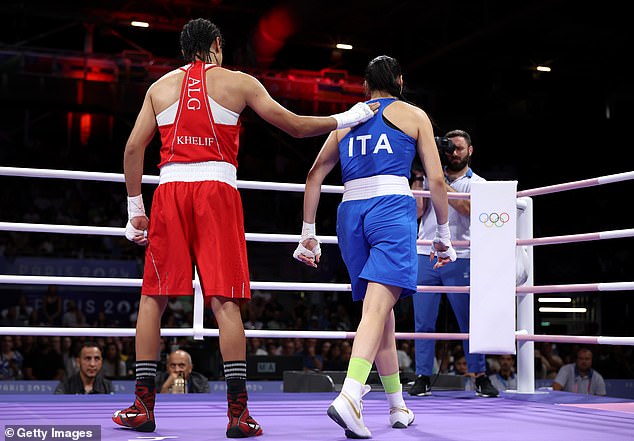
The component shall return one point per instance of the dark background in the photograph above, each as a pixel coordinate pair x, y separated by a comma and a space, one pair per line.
469, 64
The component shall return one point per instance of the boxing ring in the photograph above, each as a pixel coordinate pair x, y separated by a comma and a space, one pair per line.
446, 415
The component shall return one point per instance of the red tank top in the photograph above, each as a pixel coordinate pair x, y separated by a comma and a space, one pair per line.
194, 136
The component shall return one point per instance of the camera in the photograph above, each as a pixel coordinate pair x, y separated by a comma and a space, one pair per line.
445, 147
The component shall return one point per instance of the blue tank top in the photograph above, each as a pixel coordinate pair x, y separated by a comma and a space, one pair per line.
375, 148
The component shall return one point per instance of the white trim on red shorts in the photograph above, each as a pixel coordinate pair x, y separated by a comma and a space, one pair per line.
199, 171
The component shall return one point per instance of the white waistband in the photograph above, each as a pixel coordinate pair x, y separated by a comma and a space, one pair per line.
373, 186
199, 171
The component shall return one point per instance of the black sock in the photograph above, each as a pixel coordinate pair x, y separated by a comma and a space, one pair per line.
236, 376
146, 372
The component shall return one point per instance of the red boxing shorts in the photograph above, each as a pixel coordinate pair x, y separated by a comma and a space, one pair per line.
196, 223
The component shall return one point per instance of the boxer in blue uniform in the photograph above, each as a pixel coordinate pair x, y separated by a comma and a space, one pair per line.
376, 230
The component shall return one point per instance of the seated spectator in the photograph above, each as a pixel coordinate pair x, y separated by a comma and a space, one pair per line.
404, 358
50, 312
505, 378
10, 360
89, 379
551, 362
73, 317
11, 318
179, 364
311, 358
256, 347
43, 361
579, 377
461, 368
113, 366
21, 315
70, 354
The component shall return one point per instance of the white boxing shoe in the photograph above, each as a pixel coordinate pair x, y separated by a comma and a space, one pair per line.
346, 410
401, 417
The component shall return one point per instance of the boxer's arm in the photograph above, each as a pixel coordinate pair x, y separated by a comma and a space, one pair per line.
300, 126
140, 137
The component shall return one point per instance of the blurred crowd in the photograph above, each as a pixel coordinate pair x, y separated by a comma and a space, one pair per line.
53, 357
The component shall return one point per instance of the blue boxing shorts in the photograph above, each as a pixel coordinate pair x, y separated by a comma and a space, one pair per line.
377, 239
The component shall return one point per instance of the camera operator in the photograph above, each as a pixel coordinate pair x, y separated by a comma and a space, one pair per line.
455, 151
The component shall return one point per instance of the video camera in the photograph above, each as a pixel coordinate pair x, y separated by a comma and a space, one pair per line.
445, 147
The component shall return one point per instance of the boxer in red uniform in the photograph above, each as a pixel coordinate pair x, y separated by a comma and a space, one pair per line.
196, 217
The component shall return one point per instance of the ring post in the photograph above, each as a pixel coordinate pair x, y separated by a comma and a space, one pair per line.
525, 309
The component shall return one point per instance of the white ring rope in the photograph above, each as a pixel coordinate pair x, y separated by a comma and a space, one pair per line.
151, 179
609, 179
308, 286
188, 332
293, 238
119, 231
265, 333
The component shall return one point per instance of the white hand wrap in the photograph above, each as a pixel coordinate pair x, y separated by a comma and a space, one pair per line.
359, 113
443, 237
135, 206
131, 232
308, 232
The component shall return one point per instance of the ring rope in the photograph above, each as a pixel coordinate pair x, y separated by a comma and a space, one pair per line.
270, 333
293, 238
309, 286
608, 179
152, 179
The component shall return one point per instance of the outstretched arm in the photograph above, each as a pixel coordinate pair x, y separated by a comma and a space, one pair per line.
308, 250
299, 126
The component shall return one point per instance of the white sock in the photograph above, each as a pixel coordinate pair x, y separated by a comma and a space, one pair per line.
395, 399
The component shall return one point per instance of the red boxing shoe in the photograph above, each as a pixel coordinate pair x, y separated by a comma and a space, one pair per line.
136, 417
242, 425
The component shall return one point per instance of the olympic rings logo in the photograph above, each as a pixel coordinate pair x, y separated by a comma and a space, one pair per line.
494, 219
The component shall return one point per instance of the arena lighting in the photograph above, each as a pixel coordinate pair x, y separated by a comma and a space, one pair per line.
554, 300
140, 24
548, 309
543, 68
344, 46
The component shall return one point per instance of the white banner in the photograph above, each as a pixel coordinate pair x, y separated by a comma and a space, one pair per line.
492, 293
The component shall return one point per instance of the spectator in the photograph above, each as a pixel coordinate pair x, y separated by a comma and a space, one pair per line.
179, 364
50, 312
273, 348
579, 377
313, 361
70, 355
89, 379
404, 359
73, 317
460, 365
460, 368
113, 366
324, 350
505, 379
11, 318
43, 362
551, 362
22, 313
288, 348
256, 347
10, 360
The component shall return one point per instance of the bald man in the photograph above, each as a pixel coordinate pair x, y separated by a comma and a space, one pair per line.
179, 363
